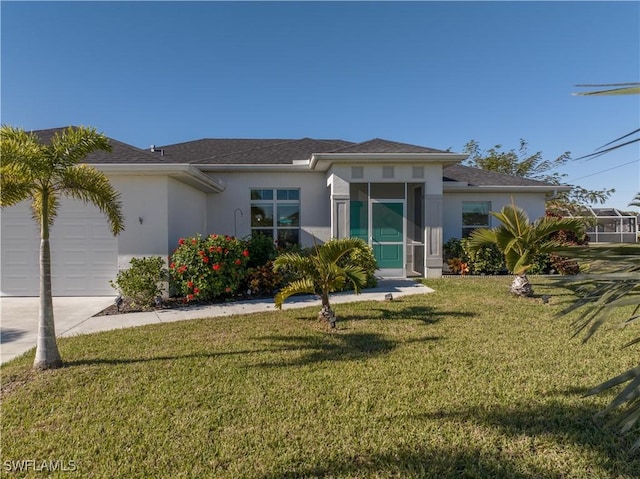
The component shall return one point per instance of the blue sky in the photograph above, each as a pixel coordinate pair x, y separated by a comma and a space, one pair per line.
435, 74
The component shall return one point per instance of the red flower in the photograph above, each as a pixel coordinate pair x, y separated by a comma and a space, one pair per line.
219, 249
194, 241
205, 259
182, 268
211, 249
237, 261
189, 284
245, 253
216, 267
196, 290
227, 289
226, 251
181, 241
201, 253
214, 236
190, 297
172, 265
228, 238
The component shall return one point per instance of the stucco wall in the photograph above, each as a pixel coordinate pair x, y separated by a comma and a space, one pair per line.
143, 198
187, 212
314, 202
532, 203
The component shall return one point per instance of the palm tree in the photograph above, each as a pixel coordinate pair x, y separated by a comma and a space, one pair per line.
319, 273
521, 241
635, 201
43, 173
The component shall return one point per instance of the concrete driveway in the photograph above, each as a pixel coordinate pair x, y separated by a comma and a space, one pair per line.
19, 320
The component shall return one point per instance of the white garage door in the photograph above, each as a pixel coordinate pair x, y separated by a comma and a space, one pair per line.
84, 253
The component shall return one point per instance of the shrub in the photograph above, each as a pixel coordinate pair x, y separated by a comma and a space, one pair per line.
362, 256
263, 280
453, 249
142, 282
210, 267
262, 249
487, 260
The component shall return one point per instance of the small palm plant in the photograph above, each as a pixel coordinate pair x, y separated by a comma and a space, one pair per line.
319, 273
521, 241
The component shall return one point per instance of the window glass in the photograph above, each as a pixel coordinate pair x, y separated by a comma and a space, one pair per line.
475, 214
288, 215
261, 215
285, 204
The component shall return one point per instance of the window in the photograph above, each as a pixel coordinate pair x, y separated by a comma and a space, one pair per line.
475, 214
276, 213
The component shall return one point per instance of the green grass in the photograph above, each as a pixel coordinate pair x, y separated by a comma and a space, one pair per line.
465, 382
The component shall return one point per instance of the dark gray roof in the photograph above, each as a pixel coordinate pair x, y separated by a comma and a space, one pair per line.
378, 145
121, 152
249, 152
478, 177
226, 151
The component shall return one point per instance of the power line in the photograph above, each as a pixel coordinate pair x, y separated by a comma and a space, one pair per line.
604, 171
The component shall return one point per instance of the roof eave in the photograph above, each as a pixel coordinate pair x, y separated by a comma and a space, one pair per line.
323, 161
185, 173
549, 189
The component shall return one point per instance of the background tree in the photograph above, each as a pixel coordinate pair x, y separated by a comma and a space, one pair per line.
635, 201
522, 241
533, 166
320, 273
43, 173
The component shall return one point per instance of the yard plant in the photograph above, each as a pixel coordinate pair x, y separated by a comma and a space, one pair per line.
43, 174
462, 382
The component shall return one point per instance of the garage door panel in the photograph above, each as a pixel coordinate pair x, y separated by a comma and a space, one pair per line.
84, 254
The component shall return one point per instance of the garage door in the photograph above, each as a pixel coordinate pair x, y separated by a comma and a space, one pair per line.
84, 253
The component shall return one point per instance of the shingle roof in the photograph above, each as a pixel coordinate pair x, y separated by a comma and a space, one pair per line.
121, 152
378, 145
226, 151
478, 177
258, 152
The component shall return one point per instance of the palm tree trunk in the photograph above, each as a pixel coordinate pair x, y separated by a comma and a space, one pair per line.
47, 354
326, 312
521, 286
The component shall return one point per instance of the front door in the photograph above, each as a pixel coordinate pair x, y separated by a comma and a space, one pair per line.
387, 234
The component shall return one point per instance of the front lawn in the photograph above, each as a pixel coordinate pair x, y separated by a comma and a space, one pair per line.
465, 382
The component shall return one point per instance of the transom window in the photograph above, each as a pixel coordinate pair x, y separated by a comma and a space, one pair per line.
475, 214
276, 213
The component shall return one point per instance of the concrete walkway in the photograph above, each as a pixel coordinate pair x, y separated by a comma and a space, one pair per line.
73, 316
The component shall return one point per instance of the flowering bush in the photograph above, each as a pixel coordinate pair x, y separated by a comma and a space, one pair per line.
205, 268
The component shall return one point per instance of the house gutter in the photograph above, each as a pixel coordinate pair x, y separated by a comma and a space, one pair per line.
553, 190
322, 159
183, 172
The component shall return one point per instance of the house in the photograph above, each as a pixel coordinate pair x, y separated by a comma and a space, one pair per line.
404, 200
609, 225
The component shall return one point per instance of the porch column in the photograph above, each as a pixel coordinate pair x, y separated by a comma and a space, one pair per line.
433, 218
339, 206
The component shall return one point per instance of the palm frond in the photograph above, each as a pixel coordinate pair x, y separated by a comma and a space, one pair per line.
300, 286
87, 184
72, 145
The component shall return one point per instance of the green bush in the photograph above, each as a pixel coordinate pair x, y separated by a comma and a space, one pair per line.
262, 280
142, 282
210, 267
363, 257
488, 260
262, 249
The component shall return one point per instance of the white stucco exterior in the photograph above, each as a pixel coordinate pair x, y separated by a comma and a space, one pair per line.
165, 198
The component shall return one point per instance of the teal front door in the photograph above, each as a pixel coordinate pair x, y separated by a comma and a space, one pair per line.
387, 221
